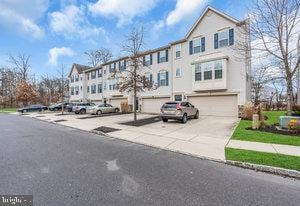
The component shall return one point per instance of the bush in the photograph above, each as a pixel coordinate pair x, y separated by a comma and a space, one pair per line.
248, 111
296, 110
125, 107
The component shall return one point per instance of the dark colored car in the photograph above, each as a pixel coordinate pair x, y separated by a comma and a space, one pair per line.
178, 110
57, 107
33, 108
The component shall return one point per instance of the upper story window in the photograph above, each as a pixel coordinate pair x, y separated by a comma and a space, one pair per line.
105, 86
93, 75
162, 56
122, 65
178, 72
218, 69
149, 77
224, 38
72, 78
88, 76
177, 50
163, 78
76, 90
197, 45
113, 84
72, 90
209, 70
99, 88
93, 89
76, 78
198, 73
112, 67
88, 89
99, 73
147, 60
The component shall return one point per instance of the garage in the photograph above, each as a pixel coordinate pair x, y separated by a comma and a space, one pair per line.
117, 102
225, 105
153, 105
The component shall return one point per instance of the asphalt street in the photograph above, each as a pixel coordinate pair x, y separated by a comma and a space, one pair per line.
64, 166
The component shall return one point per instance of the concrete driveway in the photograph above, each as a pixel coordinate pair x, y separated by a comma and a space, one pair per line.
203, 137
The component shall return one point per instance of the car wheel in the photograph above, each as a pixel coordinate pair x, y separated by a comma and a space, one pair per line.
82, 111
117, 110
24, 111
99, 112
164, 119
184, 119
196, 115
55, 110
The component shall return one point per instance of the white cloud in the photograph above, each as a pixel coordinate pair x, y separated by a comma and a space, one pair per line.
57, 52
21, 16
185, 8
124, 10
71, 22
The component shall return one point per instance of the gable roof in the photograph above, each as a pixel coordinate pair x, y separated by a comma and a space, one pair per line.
80, 68
209, 8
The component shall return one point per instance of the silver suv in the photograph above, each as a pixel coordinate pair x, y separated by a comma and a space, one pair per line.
178, 110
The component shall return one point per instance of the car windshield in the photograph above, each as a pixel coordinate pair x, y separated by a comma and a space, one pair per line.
170, 105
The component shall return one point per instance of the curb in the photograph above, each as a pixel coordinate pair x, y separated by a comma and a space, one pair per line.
268, 169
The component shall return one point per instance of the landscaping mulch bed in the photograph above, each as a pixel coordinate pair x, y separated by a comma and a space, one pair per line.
60, 120
102, 115
273, 129
106, 129
142, 122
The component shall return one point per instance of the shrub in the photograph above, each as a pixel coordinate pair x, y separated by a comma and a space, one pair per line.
248, 111
125, 107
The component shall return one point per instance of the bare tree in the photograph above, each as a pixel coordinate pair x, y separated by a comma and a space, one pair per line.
99, 56
62, 86
274, 32
260, 77
132, 78
22, 65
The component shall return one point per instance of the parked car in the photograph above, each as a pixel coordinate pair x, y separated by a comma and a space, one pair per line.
69, 107
103, 108
81, 108
178, 110
57, 107
33, 108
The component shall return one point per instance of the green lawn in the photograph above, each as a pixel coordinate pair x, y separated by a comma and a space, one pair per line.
263, 158
241, 133
8, 110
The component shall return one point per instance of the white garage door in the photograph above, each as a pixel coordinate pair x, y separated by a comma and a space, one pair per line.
153, 105
117, 102
216, 105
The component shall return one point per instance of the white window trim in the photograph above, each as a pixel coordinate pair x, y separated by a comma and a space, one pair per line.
219, 39
176, 50
165, 74
199, 39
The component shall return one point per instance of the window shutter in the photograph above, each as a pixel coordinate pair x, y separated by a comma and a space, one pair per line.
167, 78
110, 68
231, 36
151, 78
191, 47
158, 79
120, 65
158, 57
203, 44
167, 54
115, 66
216, 40
150, 59
144, 61
124, 64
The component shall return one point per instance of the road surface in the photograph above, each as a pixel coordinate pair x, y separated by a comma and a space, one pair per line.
64, 166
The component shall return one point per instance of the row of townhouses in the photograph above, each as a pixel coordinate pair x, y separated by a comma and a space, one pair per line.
202, 68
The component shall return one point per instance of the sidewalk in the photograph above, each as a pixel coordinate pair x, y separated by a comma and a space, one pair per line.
265, 147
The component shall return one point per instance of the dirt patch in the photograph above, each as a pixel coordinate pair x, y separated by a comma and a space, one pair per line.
106, 129
142, 122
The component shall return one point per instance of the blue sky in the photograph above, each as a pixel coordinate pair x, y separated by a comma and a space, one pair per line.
56, 32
